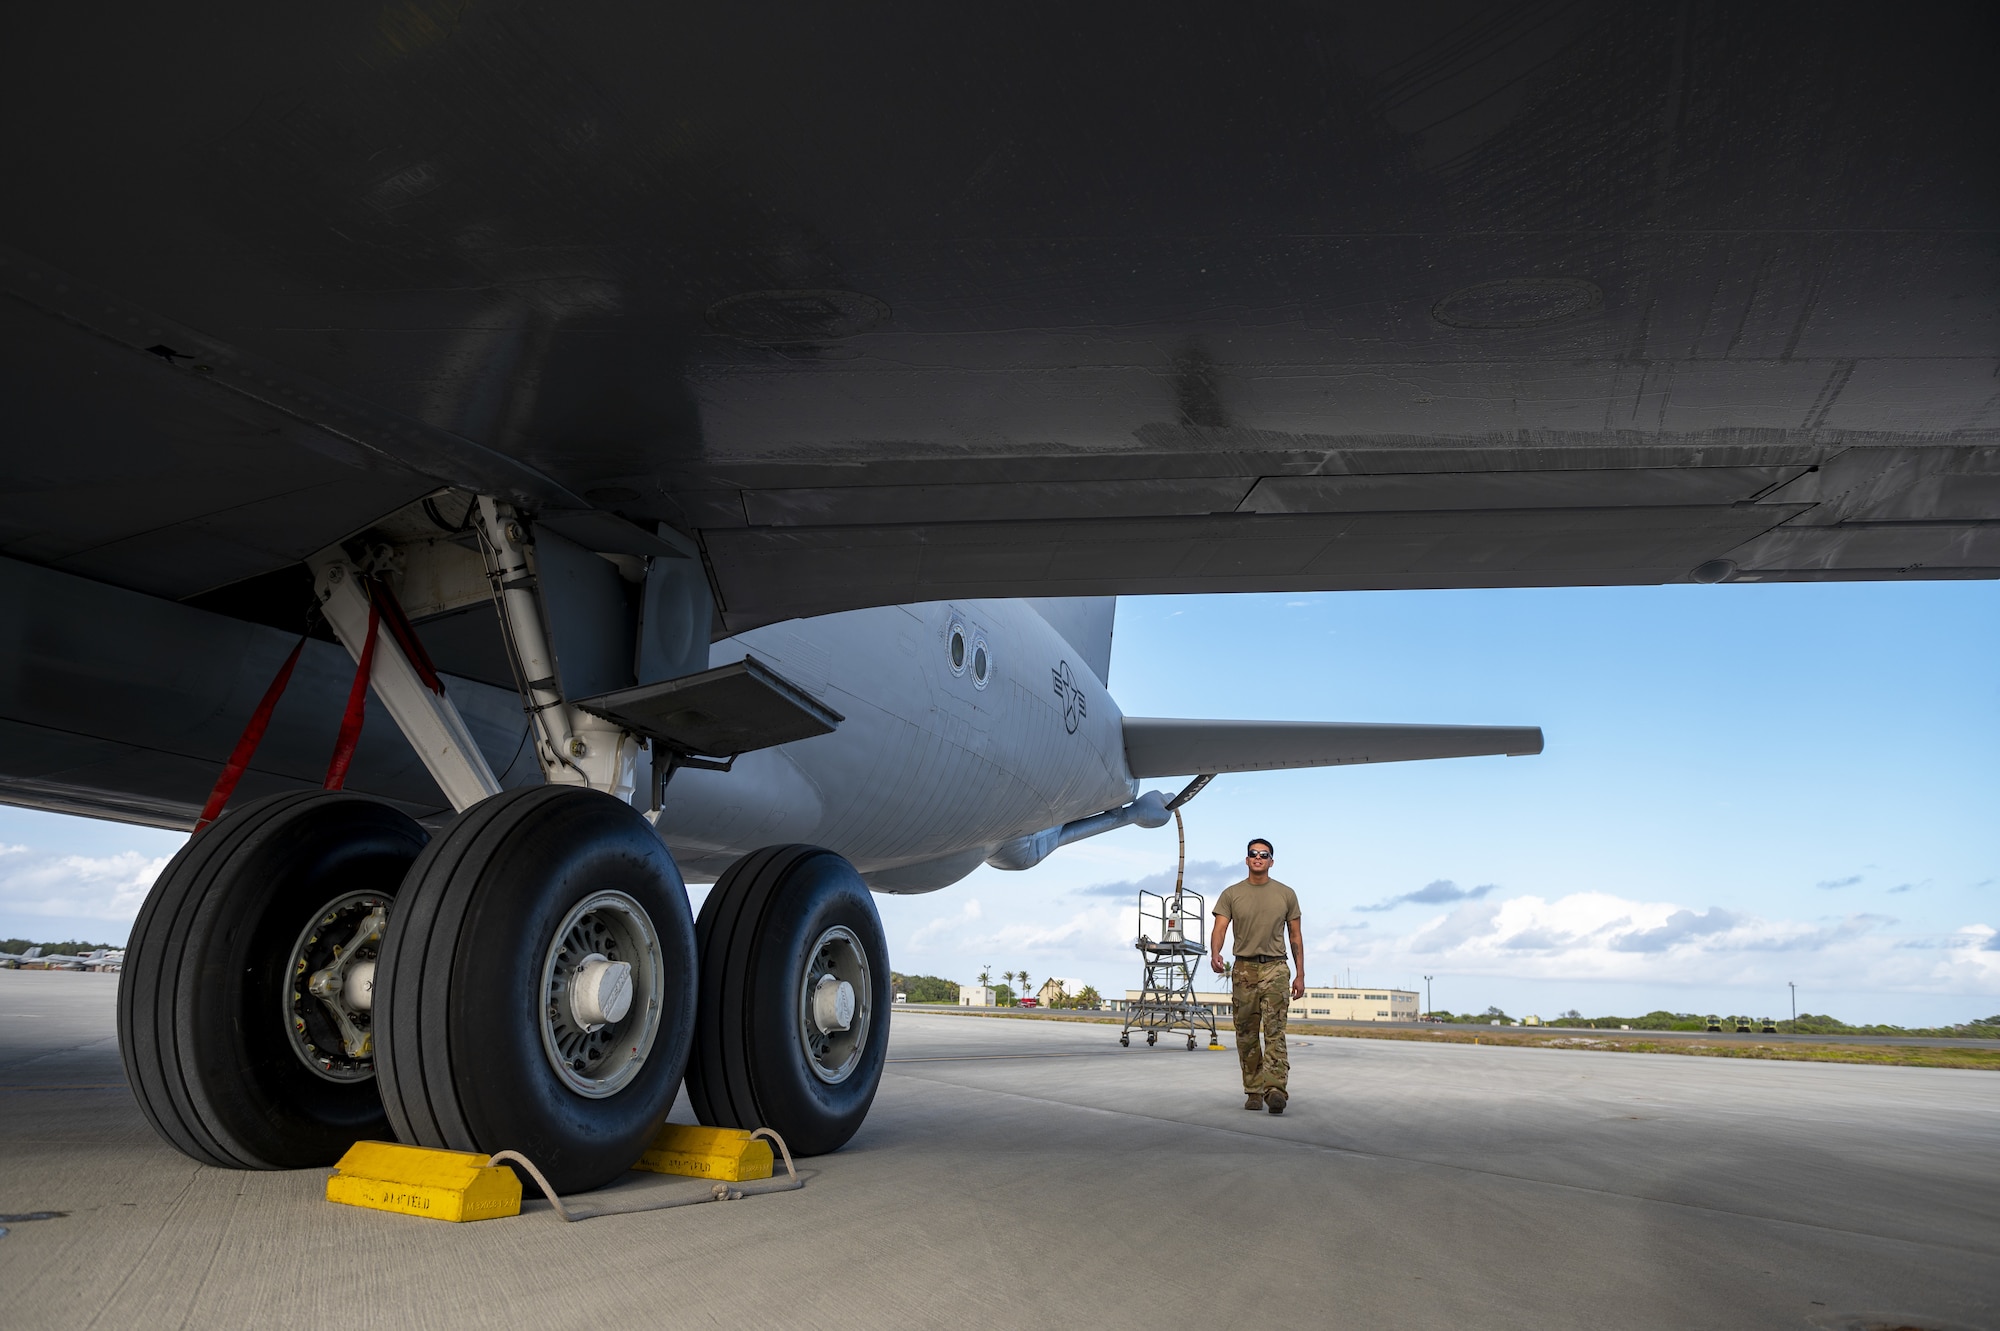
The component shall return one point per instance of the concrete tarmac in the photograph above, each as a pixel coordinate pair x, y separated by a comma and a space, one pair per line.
1034, 1174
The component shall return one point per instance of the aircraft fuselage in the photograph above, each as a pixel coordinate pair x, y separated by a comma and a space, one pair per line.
932, 766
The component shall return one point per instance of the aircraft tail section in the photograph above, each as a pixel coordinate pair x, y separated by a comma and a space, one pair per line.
1170, 746
1085, 623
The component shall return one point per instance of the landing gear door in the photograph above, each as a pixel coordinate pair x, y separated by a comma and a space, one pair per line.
676, 614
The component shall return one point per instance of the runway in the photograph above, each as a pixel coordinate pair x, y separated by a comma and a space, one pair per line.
1033, 1174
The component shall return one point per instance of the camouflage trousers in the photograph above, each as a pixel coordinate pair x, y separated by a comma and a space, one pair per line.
1260, 996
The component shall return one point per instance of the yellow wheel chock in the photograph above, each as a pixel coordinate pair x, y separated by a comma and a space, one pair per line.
463, 1185
415, 1180
730, 1155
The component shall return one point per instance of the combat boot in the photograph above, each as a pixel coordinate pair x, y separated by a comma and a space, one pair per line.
1274, 1100
1253, 1101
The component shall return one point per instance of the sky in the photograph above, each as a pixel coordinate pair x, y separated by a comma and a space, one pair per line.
1744, 787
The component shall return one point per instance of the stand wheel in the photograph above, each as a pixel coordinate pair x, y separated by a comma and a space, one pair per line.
793, 1029
540, 985
1152, 1037
246, 1011
1125, 1040
1190, 1042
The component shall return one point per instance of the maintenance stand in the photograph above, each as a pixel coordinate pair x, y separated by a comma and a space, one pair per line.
1166, 1000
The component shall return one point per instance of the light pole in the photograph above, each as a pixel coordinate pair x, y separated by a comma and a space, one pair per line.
1793, 986
1427, 996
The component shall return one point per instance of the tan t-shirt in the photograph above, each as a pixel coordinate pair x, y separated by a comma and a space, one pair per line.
1259, 914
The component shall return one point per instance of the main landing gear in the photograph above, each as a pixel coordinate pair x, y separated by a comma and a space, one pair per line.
308, 973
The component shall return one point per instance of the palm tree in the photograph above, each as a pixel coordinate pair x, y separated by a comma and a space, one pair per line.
985, 976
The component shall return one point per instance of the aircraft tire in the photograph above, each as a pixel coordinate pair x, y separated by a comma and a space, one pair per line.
482, 1047
776, 921
202, 1004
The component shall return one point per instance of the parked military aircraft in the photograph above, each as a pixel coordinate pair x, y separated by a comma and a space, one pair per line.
662, 327
97, 959
36, 959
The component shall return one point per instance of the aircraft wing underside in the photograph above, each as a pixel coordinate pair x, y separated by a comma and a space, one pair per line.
881, 311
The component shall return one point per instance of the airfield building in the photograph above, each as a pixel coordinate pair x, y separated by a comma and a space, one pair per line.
1350, 1004
1057, 987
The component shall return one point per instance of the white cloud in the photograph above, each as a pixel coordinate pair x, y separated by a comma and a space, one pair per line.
1970, 960
1086, 931
1460, 929
1602, 936
948, 928
1675, 949
94, 887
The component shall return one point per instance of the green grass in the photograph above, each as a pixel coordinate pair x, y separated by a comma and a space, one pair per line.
1622, 1042
1981, 1056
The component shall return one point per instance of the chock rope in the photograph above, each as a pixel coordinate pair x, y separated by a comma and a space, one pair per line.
576, 1209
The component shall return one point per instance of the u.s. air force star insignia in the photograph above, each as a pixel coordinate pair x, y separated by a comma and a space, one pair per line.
1071, 695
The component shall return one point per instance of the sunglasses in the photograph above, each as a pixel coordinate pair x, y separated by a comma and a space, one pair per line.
1259, 855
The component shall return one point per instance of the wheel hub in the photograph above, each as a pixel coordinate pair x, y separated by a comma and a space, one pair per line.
330, 1002
601, 986
601, 993
834, 1005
